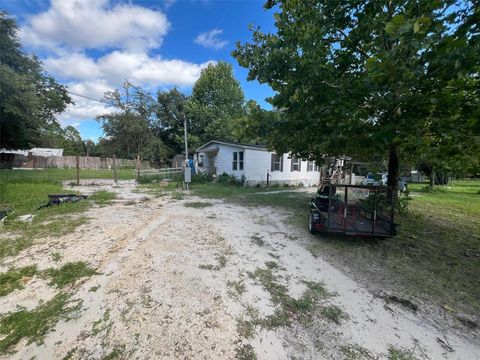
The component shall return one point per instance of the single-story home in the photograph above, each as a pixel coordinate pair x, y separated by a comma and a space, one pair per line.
255, 163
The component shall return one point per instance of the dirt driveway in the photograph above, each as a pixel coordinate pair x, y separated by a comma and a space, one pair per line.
215, 281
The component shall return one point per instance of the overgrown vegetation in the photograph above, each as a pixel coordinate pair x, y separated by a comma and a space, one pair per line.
33, 325
69, 273
13, 278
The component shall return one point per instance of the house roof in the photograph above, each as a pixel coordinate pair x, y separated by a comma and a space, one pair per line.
229, 143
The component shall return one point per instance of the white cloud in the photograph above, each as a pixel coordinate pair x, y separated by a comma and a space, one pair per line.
95, 24
113, 68
93, 77
211, 39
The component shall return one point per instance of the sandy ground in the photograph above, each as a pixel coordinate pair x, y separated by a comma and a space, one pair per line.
153, 299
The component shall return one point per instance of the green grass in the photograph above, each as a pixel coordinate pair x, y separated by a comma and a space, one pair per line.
69, 273
58, 175
103, 197
12, 279
221, 262
399, 354
288, 309
24, 198
33, 325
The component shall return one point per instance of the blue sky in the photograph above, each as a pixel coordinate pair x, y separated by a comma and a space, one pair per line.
94, 45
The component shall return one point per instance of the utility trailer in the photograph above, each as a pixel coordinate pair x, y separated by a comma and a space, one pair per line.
361, 210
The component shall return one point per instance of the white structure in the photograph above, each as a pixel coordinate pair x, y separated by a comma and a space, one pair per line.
45, 152
255, 163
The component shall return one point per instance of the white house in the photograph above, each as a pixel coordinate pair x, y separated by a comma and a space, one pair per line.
255, 162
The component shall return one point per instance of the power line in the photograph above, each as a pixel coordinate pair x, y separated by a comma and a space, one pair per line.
87, 97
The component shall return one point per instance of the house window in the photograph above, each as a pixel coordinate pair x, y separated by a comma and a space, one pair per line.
237, 160
277, 162
310, 166
296, 164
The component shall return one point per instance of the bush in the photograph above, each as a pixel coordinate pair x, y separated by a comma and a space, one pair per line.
226, 179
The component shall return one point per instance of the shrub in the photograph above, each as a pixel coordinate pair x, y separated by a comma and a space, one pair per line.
230, 180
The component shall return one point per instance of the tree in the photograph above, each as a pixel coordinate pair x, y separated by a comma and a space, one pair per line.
216, 102
129, 128
72, 142
255, 125
169, 126
29, 98
368, 76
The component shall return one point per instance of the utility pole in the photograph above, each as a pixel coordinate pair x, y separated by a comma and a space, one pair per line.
188, 172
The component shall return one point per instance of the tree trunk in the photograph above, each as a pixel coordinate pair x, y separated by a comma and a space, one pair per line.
393, 172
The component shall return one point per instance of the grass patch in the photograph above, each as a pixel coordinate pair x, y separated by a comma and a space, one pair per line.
35, 324
257, 239
56, 256
103, 197
197, 204
333, 313
236, 288
102, 324
69, 273
12, 279
356, 352
245, 352
221, 262
288, 309
55, 175
177, 195
54, 220
245, 328
22, 235
399, 354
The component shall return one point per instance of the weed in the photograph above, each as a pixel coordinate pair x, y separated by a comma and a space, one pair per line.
399, 354
94, 288
116, 353
103, 197
56, 256
69, 273
207, 267
245, 352
237, 288
197, 204
102, 324
257, 239
12, 279
356, 352
35, 324
177, 195
221, 262
333, 313
245, 328
69, 354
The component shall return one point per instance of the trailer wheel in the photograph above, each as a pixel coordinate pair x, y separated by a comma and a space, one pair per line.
311, 225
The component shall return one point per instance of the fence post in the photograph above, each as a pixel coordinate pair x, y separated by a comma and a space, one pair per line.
115, 170
77, 158
138, 168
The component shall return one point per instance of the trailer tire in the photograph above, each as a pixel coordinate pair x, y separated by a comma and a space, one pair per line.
311, 225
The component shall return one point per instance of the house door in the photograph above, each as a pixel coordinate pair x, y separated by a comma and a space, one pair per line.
211, 169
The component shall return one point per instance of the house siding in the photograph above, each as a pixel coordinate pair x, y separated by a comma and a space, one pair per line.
257, 164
